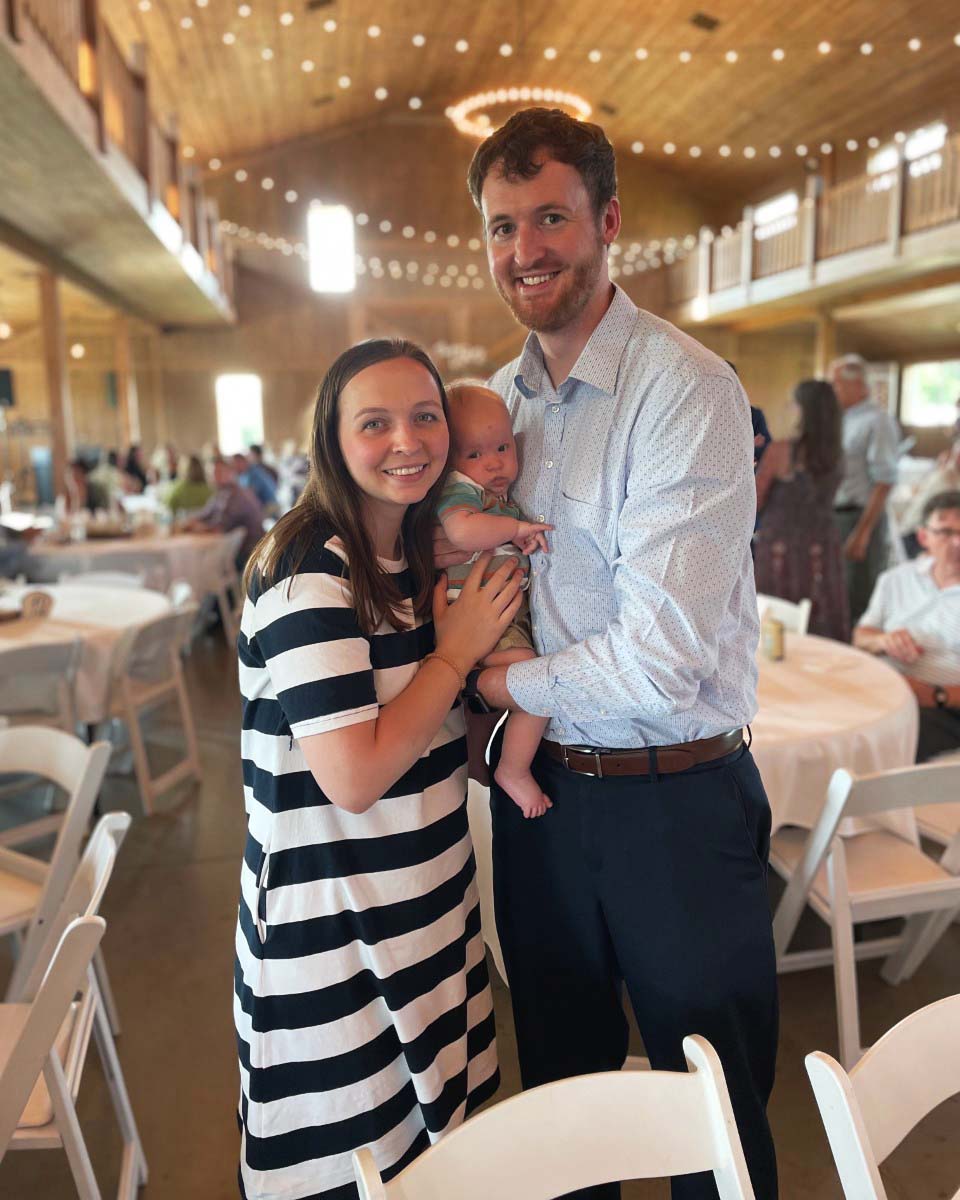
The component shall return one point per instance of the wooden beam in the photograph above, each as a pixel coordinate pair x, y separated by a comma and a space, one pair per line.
825, 350
58, 383
128, 406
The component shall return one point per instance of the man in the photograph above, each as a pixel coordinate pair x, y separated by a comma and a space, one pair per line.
914, 620
232, 506
251, 474
650, 869
870, 470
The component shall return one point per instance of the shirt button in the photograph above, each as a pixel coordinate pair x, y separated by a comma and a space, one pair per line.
541, 518
549, 462
554, 407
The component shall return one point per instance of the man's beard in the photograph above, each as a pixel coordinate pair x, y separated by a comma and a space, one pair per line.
568, 306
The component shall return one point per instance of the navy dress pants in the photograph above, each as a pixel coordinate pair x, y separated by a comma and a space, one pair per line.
657, 883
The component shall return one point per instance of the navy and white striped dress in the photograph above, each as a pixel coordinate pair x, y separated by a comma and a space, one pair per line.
362, 1003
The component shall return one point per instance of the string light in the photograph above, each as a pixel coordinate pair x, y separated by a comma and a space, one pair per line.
637, 147
506, 50
684, 56
286, 18
641, 54
866, 48
266, 54
914, 44
461, 46
374, 31
229, 38
824, 48
344, 82
418, 40
432, 273
551, 52
186, 22
381, 93
731, 56
330, 25
5, 330
778, 55
594, 56
415, 102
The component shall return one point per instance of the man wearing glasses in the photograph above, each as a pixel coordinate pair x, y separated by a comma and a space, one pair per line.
913, 619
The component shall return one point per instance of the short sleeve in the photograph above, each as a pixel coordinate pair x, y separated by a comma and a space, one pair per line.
878, 608
459, 494
317, 657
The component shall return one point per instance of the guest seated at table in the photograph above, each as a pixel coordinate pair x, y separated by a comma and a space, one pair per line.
256, 459
944, 477
253, 476
913, 619
135, 469
83, 493
190, 491
798, 553
232, 506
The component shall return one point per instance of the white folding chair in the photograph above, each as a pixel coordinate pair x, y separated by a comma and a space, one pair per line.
146, 672
910, 1071
32, 890
40, 1126
105, 579
28, 1046
36, 683
871, 876
229, 590
579, 1132
795, 617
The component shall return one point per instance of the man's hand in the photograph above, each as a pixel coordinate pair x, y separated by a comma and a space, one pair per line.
899, 644
856, 545
445, 553
922, 691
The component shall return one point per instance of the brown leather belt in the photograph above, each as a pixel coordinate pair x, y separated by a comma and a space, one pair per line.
667, 759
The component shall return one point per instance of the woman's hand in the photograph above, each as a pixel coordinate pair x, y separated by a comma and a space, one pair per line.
468, 629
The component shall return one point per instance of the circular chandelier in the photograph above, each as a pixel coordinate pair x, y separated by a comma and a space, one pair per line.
470, 117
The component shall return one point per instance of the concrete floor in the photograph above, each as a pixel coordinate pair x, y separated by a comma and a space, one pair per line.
170, 911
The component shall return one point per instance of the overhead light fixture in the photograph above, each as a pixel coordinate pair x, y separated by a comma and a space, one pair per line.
331, 248
470, 117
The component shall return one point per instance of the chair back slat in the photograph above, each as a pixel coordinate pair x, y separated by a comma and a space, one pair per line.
911, 1070
580, 1132
39, 679
20, 1071
930, 783
867, 1113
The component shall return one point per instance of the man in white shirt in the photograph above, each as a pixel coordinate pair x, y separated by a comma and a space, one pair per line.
649, 871
870, 439
913, 619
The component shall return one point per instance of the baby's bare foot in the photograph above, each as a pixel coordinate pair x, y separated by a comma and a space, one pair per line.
522, 789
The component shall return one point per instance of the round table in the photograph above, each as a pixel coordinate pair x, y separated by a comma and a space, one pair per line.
195, 557
828, 705
98, 617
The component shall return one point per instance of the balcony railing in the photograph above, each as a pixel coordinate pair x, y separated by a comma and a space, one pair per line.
871, 210
115, 85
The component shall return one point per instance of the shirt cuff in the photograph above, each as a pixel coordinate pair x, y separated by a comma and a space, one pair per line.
529, 684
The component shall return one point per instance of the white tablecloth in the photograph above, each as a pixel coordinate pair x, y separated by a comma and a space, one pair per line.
827, 705
98, 616
194, 557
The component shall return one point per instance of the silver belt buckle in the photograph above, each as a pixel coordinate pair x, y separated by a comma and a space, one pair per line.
597, 758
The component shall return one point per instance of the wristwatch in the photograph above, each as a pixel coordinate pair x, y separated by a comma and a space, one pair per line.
940, 695
475, 702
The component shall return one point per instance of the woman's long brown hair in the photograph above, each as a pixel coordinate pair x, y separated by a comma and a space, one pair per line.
332, 503
820, 442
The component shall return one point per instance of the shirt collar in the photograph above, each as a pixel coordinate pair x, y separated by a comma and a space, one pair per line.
599, 362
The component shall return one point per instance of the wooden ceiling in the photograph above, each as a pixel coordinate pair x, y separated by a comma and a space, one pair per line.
232, 101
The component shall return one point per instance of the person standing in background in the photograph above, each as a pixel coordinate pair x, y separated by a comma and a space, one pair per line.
870, 440
797, 553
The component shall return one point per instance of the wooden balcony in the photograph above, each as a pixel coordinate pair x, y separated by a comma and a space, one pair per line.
94, 185
875, 229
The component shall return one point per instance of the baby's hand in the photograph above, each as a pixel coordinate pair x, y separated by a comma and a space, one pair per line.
531, 536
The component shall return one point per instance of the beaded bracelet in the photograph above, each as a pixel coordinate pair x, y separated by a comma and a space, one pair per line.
443, 658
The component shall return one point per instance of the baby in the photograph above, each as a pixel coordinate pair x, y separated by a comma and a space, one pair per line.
476, 516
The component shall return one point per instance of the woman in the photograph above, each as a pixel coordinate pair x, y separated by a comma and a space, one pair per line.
362, 1003
798, 553
190, 491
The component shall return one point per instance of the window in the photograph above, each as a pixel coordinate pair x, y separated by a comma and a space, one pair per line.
239, 412
930, 393
330, 238
776, 216
921, 150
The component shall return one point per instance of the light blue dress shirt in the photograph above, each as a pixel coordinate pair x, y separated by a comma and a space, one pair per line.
644, 610
870, 438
